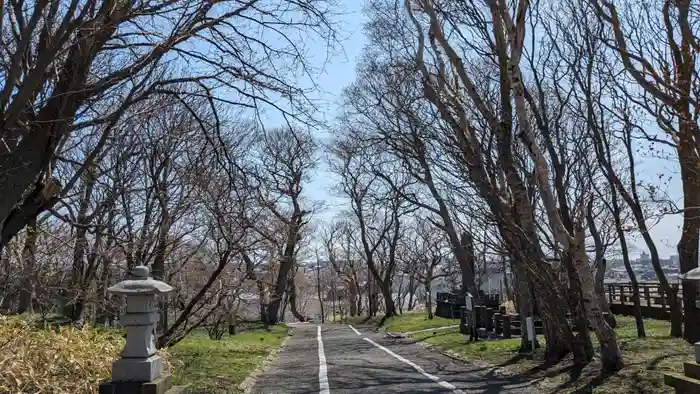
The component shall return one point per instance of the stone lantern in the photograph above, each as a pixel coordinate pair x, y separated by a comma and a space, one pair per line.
693, 276
689, 381
140, 369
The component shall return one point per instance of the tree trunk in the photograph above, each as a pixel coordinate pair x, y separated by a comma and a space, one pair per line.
688, 244
600, 261
400, 301
293, 300
318, 291
262, 300
105, 311
463, 249
370, 291
467, 267
26, 290
79, 279
353, 298
233, 317
523, 304
389, 305
429, 298
638, 318
283, 310
610, 355
559, 338
411, 292
273, 308
333, 297
158, 266
582, 345
600, 292
506, 283
602, 266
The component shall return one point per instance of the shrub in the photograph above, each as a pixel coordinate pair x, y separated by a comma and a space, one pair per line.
55, 361
61, 360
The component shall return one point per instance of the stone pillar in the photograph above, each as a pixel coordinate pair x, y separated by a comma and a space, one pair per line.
140, 369
463, 321
506, 325
489, 319
689, 381
497, 324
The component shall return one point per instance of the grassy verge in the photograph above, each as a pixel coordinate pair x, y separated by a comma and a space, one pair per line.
646, 360
406, 322
219, 367
416, 321
354, 320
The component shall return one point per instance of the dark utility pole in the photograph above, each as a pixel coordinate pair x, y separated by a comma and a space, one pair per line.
318, 287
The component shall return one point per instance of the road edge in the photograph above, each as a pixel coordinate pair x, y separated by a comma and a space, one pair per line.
249, 382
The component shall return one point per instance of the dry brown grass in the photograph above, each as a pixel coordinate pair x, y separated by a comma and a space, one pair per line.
67, 360
56, 361
510, 307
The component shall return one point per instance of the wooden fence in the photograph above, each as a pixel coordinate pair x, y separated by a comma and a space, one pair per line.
654, 303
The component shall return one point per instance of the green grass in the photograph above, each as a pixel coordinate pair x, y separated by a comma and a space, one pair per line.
416, 321
455, 343
219, 367
354, 320
646, 360
411, 321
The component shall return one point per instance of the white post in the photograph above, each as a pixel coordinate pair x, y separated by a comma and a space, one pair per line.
530, 323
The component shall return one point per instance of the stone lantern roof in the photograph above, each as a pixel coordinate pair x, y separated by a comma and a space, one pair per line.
691, 276
140, 283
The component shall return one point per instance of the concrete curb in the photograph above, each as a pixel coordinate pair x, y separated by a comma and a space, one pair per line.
247, 385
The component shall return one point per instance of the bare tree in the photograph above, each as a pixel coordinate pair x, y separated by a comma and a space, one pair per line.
377, 210
429, 257
337, 240
657, 48
483, 138
287, 158
229, 209
83, 64
385, 106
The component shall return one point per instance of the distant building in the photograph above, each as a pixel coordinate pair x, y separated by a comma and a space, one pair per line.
643, 269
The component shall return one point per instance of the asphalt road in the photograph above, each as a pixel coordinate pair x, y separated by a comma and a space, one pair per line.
347, 361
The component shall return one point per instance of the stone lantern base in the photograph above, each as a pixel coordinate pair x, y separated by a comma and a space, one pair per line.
162, 385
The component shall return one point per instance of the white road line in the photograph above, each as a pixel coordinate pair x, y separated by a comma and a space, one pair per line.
418, 368
322, 367
354, 329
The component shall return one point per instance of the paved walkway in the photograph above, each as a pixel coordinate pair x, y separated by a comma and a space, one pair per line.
342, 359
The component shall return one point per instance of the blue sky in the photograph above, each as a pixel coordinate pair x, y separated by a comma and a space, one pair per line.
339, 72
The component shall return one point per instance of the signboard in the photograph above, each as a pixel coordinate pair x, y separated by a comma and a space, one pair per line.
529, 322
469, 302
